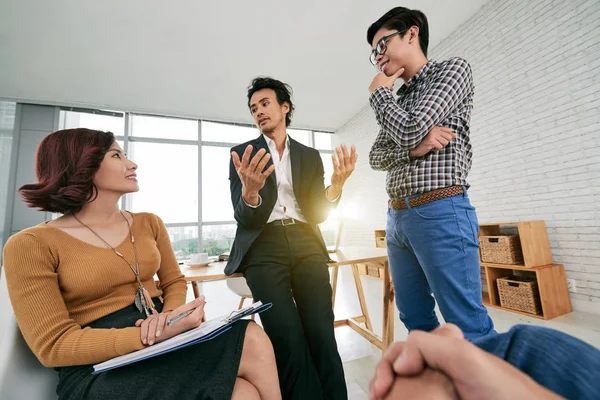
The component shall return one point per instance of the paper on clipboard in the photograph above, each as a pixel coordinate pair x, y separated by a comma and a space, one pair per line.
207, 331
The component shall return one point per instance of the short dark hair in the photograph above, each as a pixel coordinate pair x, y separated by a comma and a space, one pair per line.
282, 90
66, 163
401, 19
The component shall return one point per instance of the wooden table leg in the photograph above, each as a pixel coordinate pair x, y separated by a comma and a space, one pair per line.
334, 286
388, 308
361, 296
195, 289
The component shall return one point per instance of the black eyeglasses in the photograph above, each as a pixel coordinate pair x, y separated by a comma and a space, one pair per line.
382, 46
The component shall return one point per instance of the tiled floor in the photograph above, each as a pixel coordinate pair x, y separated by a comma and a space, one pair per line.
360, 357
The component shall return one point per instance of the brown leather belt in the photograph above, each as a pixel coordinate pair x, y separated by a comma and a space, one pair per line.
428, 197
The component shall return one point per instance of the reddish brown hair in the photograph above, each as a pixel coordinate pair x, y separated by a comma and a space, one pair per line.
66, 162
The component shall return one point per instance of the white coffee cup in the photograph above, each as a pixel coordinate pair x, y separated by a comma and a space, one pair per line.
199, 258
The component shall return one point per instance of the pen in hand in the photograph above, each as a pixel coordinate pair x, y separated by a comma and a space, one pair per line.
182, 315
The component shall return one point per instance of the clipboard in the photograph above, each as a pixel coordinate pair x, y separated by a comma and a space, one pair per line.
205, 332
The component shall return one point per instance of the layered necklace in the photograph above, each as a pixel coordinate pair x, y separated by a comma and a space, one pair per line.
143, 301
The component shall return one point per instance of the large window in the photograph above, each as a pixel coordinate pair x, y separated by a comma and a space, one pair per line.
168, 179
225, 133
171, 154
163, 128
102, 121
303, 137
217, 239
216, 198
185, 240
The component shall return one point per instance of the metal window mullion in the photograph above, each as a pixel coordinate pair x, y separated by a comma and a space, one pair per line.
200, 238
141, 114
180, 224
215, 223
126, 200
106, 113
142, 139
12, 175
311, 139
219, 144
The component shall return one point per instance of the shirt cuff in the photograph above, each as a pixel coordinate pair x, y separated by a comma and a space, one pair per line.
334, 200
259, 202
380, 96
404, 156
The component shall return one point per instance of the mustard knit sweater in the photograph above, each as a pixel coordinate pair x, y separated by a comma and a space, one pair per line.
57, 284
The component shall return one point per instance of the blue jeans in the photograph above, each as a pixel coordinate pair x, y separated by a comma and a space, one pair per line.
433, 248
555, 360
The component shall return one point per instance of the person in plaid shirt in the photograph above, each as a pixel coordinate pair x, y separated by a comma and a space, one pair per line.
424, 146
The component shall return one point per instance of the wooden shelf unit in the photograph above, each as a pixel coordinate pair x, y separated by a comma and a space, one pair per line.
534, 240
374, 270
537, 256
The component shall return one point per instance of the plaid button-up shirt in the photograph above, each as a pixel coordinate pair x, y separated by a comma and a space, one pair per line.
440, 94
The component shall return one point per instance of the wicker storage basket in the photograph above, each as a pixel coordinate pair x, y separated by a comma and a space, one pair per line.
501, 249
519, 293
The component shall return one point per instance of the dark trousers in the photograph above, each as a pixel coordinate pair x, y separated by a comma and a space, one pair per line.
287, 266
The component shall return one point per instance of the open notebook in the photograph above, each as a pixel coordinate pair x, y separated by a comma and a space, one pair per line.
208, 330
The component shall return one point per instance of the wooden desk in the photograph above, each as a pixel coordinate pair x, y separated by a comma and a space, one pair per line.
342, 257
214, 272
371, 256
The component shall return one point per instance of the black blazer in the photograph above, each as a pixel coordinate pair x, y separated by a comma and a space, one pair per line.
309, 189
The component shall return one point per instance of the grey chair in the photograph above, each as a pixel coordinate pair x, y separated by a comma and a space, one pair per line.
22, 376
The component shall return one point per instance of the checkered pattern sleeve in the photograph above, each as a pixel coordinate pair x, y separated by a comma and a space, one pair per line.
385, 155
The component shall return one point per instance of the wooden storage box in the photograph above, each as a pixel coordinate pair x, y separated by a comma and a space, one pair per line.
370, 270
374, 272
519, 293
501, 249
380, 238
362, 269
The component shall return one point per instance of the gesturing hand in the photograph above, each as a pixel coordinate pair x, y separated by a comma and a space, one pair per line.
252, 173
344, 165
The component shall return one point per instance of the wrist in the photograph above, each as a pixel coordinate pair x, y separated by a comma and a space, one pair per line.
415, 153
251, 198
336, 187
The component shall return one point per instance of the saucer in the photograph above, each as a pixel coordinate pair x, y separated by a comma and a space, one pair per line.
198, 265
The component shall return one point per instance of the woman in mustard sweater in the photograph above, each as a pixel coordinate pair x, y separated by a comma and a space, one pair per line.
82, 288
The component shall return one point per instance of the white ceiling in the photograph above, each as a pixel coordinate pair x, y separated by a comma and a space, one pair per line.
195, 58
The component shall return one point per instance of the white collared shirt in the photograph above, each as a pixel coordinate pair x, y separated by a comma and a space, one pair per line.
286, 205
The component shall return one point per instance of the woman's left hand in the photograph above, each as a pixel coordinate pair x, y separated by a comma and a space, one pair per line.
152, 327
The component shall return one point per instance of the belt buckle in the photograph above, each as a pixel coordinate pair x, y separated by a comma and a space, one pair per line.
288, 221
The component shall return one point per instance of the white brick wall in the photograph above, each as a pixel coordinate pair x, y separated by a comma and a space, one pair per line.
535, 130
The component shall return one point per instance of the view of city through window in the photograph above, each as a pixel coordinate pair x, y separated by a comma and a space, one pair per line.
172, 154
